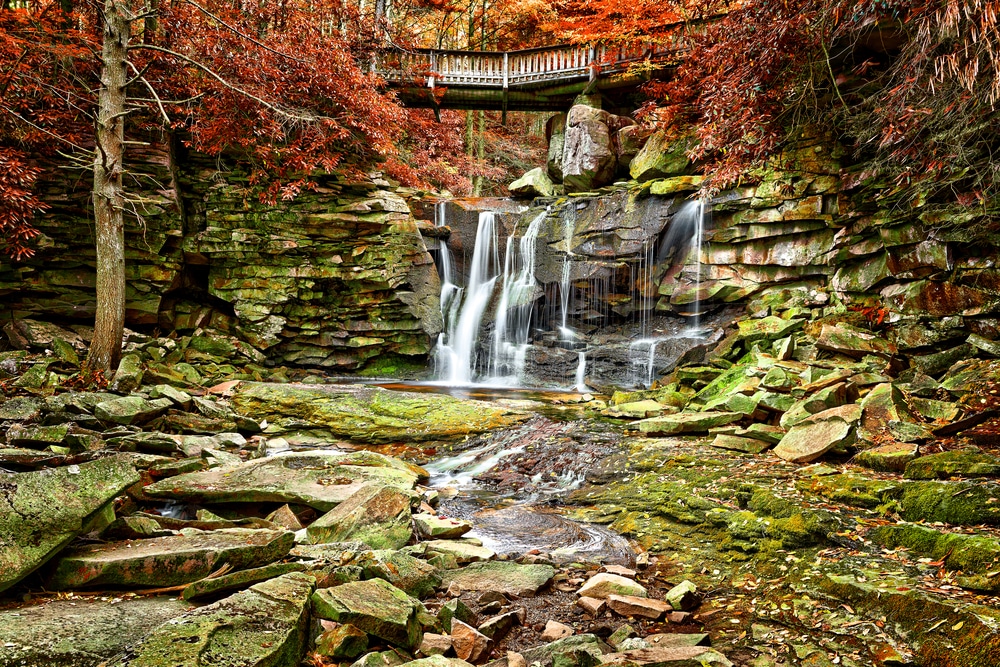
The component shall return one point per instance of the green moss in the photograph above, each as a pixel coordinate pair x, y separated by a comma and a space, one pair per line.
958, 503
969, 553
849, 489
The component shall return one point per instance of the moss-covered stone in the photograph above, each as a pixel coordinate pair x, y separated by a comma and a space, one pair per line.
375, 606
376, 515
502, 576
960, 462
958, 503
686, 422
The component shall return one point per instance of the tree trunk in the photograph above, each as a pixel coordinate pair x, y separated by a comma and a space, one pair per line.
109, 195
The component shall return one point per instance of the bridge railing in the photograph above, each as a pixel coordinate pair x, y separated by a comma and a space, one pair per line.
505, 69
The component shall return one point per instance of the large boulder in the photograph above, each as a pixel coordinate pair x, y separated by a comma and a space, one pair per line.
588, 159
555, 132
660, 157
264, 626
502, 577
168, 561
319, 479
535, 183
377, 515
40, 512
375, 606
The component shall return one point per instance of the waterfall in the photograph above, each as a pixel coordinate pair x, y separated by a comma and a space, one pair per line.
456, 350
517, 299
581, 372
643, 365
684, 240
565, 333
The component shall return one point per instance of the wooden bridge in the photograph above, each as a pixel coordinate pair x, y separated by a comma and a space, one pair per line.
544, 79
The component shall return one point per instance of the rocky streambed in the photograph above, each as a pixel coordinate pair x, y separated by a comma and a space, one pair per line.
801, 496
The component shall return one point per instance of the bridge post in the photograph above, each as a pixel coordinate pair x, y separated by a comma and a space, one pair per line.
506, 86
430, 79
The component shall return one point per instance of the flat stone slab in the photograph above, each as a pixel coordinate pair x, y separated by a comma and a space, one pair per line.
375, 606
41, 511
502, 577
431, 526
464, 552
686, 422
262, 626
82, 632
369, 414
740, 444
238, 580
376, 515
603, 584
805, 443
671, 656
168, 561
319, 479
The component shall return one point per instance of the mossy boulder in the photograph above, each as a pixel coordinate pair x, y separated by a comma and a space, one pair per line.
972, 554
319, 479
376, 515
167, 561
375, 606
41, 512
369, 414
238, 580
501, 576
130, 410
686, 422
957, 503
816, 435
535, 183
262, 626
962, 462
892, 457
660, 157
411, 575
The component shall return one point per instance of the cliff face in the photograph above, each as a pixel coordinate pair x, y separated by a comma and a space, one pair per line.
334, 278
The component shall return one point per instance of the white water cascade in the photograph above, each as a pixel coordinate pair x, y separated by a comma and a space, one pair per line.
456, 354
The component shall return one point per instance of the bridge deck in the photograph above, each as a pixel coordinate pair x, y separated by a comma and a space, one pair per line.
529, 80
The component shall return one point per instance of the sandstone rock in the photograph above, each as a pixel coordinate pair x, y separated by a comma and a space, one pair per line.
892, 457
342, 642
496, 628
880, 408
686, 422
629, 141
535, 183
603, 584
677, 656
503, 576
588, 158
319, 479
433, 644
41, 512
455, 609
807, 442
430, 526
768, 328
37, 436
432, 661
555, 132
377, 515
740, 444
20, 408
555, 630
264, 625
660, 157
583, 650
375, 606
469, 644
631, 605
368, 414
130, 410
238, 580
80, 632
683, 596
167, 561
592, 606
850, 340
392, 658
463, 552
286, 518
128, 377
411, 575
515, 659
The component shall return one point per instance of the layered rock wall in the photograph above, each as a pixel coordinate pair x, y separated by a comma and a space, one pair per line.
334, 278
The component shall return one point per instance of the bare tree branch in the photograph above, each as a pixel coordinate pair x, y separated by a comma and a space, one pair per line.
241, 33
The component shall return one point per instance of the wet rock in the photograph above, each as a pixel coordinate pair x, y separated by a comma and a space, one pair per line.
167, 561
603, 584
852, 341
321, 480
677, 656
130, 410
345, 642
41, 512
768, 328
643, 607
264, 625
683, 596
470, 644
375, 606
686, 422
502, 576
378, 516
238, 580
368, 414
535, 183
430, 526
588, 158
80, 632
